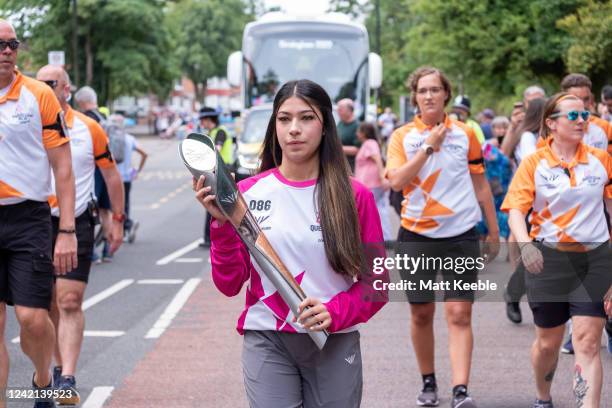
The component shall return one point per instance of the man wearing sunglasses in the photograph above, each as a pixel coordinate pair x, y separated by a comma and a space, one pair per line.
89, 148
598, 132
32, 143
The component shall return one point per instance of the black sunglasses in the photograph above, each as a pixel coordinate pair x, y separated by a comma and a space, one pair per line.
12, 44
52, 83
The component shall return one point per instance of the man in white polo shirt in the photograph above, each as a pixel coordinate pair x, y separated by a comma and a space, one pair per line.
89, 146
32, 142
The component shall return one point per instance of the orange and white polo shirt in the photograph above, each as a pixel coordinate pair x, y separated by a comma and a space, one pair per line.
566, 197
598, 134
25, 172
440, 200
89, 147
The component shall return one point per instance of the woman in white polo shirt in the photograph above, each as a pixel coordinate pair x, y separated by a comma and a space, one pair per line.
437, 163
566, 183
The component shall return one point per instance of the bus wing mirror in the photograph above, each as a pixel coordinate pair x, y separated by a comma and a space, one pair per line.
376, 70
234, 68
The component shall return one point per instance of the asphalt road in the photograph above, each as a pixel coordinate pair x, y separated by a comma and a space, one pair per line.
160, 335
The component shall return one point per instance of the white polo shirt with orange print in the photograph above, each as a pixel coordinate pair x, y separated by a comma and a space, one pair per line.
440, 200
566, 197
598, 134
25, 172
89, 147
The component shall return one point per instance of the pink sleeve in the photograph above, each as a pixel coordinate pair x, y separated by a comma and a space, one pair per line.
231, 263
230, 259
361, 301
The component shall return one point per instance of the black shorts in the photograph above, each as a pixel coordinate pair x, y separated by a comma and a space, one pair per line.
446, 251
26, 269
570, 284
85, 242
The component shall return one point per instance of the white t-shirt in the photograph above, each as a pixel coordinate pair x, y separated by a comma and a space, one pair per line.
526, 146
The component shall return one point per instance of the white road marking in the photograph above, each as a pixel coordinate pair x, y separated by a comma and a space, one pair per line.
98, 397
173, 308
189, 260
103, 333
179, 252
97, 298
122, 284
90, 333
160, 281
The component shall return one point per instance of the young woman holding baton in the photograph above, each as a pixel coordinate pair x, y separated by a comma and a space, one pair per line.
318, 221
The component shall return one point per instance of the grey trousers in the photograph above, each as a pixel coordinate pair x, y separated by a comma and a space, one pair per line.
287, 370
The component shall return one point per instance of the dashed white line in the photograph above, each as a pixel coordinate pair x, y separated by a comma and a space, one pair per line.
160, 281
189, 260
89, 333
122, 284
179, 252
173, 308
103, 333
97, 298
98, 397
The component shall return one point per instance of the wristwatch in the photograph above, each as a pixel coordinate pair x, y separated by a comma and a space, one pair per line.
119, 217
427, 148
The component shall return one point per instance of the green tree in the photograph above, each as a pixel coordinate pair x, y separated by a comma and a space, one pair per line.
123, 46
491, 49
205, 33
590, 29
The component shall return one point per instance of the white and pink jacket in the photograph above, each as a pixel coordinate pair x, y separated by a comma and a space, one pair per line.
286, 212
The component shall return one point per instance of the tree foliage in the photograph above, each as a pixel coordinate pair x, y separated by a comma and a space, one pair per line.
493, 49
205, 33
590, 30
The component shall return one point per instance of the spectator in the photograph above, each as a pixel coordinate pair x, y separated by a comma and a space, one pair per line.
347, 130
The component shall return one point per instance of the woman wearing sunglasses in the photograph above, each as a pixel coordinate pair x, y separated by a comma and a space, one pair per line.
567, 252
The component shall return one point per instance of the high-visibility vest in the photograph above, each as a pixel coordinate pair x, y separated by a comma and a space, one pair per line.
227, 150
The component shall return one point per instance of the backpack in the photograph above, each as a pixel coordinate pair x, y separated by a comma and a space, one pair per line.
116, 136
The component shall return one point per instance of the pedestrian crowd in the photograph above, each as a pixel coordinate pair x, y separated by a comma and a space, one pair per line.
63, 172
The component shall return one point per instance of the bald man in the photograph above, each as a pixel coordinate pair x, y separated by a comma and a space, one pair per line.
33, 141
347, 130
89, 147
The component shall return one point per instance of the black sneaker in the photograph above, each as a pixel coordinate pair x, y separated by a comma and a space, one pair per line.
428, 396
67, 392
57, 374
513, 311
543, 404
568, 347
461, 399
43, 403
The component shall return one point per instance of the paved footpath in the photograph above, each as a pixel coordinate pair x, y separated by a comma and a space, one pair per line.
196, 363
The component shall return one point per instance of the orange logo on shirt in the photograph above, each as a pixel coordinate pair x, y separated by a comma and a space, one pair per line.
561, 222
432, 207
7, 191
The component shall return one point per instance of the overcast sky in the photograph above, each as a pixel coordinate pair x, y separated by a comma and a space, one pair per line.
300, 6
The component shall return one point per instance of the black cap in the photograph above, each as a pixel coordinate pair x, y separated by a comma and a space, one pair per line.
207, 112
462, 102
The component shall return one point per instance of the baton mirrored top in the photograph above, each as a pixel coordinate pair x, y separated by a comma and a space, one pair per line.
198, 155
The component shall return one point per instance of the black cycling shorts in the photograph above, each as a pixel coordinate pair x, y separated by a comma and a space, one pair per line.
26, 269
85, 243
458, 248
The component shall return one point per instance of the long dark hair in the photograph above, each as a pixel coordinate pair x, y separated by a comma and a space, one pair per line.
335, 202
531, 123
